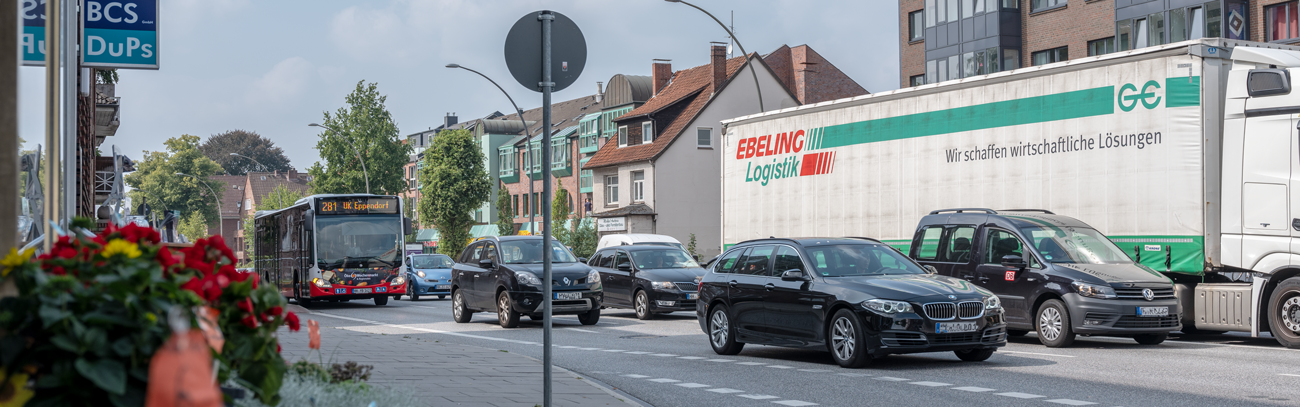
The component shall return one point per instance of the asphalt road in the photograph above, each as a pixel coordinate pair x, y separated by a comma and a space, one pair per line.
668, 362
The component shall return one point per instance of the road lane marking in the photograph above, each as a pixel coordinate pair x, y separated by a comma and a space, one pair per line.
661, 380
1069, 402
758, 396
690, 357
719, 360
814, 370
796, 403
662, 355
589, 348
854, 374
636, 376
638, 353
751, 363
582, 330
613, 350
567, 347
1288, 374
780, 367
725, 390
972, 389
693, 385
931, 384
892, 379
1033, 353
1019, 395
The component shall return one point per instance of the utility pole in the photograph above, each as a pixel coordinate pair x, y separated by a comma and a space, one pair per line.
9, 207
546, 85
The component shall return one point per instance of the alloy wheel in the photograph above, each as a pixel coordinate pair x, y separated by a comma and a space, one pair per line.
503, 308
641, 307
1291, 314
457, 303
718, 329
1049, 323
843, 339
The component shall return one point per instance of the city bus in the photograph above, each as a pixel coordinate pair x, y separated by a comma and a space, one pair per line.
333, 248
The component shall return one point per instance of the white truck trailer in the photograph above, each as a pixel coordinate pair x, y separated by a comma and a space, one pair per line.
1186, 154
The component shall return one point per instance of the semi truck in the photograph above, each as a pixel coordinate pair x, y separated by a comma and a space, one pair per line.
1185, 155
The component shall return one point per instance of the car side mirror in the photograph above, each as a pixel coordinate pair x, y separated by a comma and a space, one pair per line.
582, 259
625, 267
794, 275
1013, 261
485, 263
930, 269
697, 257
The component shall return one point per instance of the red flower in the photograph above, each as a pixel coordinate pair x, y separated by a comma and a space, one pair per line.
219, 243
267, 318
292, 319
65, 253
276, 310
165, 258
246, 305
58, 271
195, 285
249, 321
277, 348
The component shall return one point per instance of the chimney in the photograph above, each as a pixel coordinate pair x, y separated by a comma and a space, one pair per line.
660, 72
718, 60
600, 92
449, 120
804, 83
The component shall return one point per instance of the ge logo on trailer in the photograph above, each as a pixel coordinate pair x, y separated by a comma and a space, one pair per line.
1128, 102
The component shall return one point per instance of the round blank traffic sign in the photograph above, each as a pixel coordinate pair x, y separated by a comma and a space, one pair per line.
524, 51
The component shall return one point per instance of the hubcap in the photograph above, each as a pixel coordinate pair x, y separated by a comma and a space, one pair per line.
503, 308
641, 306
719, 328
1291, 313
843, 339
456, 304
1049, 323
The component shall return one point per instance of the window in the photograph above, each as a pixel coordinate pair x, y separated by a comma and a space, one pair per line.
958, 246
954, 69
507, 164
1177, 25
1050, 56
915, 26
967, 8
248, 204
756, 261
979, 6
952, 10
536, 148
1011, 4
647, 132
1140, 33
1010, 59
1101, 47
918, 80
991, 6
991, 60
1238, 22
943, 71
787, 259
728, 261
929, 13
1124, 35
536, 200
638, 186
941, 11
929, 245
1157, 25
515, 199
611, 189
931, 73
1280, 22
704, 137
1213, 19
622, 136
1001, 243
1036, 5
525, 207
560, 153
1196, 27
968, 64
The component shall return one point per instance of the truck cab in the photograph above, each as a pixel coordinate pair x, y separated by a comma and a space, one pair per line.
1054, 274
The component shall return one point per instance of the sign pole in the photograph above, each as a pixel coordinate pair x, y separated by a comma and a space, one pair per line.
546, 85
53, 60
70, 68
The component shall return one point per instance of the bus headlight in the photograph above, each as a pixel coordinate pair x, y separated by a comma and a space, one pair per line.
320, 283
399, 280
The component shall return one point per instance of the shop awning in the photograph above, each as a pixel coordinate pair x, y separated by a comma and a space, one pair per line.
426, 235
478, 231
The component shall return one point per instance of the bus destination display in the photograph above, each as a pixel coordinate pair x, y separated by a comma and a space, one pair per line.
356, 206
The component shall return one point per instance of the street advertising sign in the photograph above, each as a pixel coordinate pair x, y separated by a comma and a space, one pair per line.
611, 224
32, 41
119, 34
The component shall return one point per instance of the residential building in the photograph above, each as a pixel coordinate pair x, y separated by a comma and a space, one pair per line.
660, 172
518, 160
240, 196
942, 40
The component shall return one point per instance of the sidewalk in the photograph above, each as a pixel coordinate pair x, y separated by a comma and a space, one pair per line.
445, 374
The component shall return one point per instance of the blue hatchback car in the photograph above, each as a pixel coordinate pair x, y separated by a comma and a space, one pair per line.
427, 274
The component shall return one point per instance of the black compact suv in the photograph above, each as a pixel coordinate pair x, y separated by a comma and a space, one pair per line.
855, 297
1055, 274
504, 274
648, 279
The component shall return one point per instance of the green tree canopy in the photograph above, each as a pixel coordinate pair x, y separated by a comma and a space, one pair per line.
155, 180
455, 184
245, 143
366, 124
505, 213
560, 214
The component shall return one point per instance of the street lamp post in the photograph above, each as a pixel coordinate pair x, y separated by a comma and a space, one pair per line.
354, 149
742, 49
527, 143
263, 167
221, 223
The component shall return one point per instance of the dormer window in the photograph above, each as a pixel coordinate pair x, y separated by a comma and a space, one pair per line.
622, 136
647, 132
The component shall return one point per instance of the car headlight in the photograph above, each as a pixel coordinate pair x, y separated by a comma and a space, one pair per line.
420, 273
399, 280
320, 283
1093, 290
663, 285
527, 278
593, 278
992, 302
887, 306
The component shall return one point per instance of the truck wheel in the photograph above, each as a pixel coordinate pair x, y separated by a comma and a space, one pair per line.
974, 355
1054, 329
507, 317
1284, 313
1150, 339
381, 300
459, 312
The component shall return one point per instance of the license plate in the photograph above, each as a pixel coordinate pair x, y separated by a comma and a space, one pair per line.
442, 287
361, 291
955, 327
1153, 311
692, 296
568, 296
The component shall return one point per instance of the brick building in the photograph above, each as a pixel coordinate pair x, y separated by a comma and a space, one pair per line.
943, 40
241, 194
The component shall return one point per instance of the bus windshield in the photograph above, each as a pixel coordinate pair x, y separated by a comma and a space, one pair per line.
358, 241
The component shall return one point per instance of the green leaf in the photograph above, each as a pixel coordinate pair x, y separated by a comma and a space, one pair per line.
134, 396
108, 374
50, 315
123, 346
98, 317
66, 343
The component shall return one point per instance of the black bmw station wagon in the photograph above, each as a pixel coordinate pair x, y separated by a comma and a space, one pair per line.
857, 298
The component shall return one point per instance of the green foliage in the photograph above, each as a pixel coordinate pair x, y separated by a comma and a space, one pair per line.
155, 180
560, 214
106, 76
455, 184
193, 226
690, 246
245, 143
584, 238
366, 124
505, 213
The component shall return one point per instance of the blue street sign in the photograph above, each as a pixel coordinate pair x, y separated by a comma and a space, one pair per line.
32, 41
119, 34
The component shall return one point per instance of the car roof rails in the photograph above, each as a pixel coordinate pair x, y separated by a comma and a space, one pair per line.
963, 210
1029, 210
769, 238
864, 238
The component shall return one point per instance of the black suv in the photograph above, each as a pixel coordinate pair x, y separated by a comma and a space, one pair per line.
647, 278
504, 274
1071, 280
857, 298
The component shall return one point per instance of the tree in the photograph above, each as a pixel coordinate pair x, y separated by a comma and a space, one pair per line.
279, 198
366, 124
456, 183
155, 181
560, 215
690, 247
584, 237
505, 213
245, 143
194, 227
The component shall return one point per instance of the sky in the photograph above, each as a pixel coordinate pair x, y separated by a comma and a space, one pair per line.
272, 67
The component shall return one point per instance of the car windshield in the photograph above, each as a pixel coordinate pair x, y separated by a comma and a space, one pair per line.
437, 261
845, 260
530, 251
358, 240
1074, 245
666, 258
